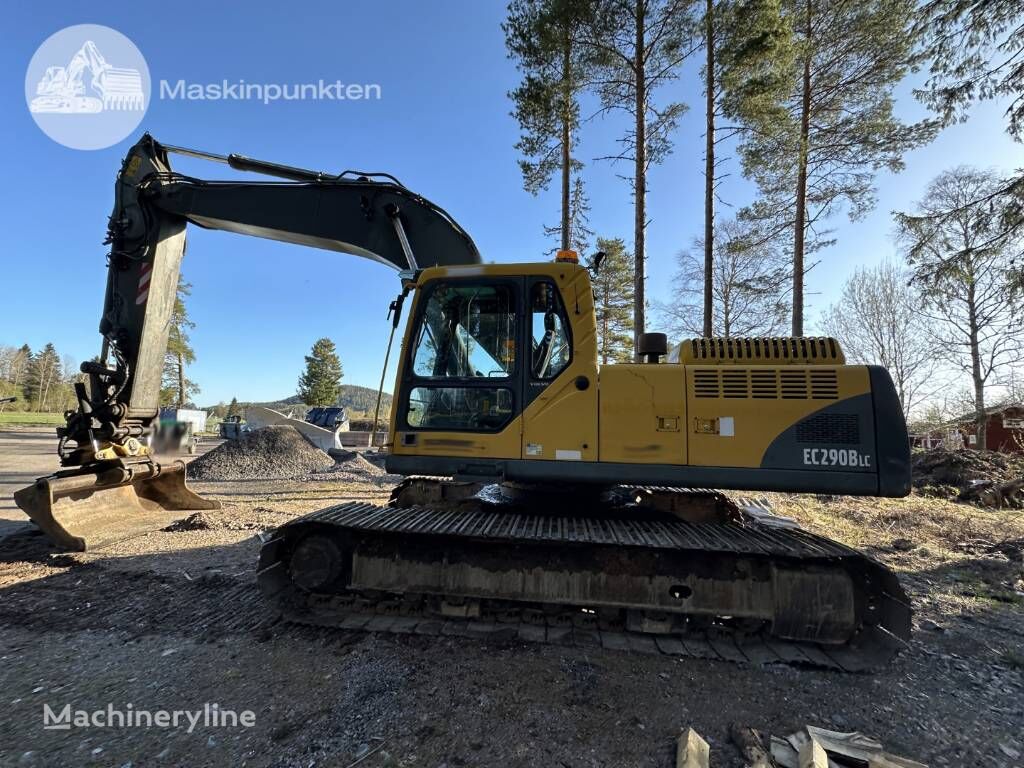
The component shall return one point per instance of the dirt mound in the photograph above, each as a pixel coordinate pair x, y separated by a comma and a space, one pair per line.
264, 454
986, 478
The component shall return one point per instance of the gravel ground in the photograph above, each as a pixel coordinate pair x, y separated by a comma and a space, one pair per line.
268, 453
172, 620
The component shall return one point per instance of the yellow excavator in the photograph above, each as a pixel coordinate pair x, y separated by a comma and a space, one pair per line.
546, 496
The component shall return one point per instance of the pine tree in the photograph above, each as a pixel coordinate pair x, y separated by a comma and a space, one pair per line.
543, 37
613, 301
639, 46
748, 51
974, 51
234, 409
579, 220
840, 129
320, 384
178, 389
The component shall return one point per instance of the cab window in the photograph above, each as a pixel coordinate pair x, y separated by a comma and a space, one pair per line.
551, 350
459, 408
467, 331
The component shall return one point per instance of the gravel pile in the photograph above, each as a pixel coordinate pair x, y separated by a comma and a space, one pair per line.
355, 468
987, 478
264, 454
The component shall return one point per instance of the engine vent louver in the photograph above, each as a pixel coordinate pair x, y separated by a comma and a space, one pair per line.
833, 428
766, 384
735, 383
824, 385
705, 383
793, 385
818, 350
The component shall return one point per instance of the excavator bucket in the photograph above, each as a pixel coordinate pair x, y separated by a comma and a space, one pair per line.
83, 509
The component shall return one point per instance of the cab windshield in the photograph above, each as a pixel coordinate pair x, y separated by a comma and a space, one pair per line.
467, 331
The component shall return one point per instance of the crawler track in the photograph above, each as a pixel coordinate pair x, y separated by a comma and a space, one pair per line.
635, 578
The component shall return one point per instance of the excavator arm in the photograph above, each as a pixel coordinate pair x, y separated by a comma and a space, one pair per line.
106, 441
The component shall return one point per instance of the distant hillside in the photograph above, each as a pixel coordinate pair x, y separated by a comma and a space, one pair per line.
358, 400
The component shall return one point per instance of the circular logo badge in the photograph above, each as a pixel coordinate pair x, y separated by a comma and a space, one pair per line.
87, 86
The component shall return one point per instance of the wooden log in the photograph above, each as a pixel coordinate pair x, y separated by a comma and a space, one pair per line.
750, 745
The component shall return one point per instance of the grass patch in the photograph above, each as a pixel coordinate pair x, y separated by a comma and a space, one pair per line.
937, 527
26, 417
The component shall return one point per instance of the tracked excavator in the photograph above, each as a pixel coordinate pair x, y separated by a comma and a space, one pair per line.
545, 495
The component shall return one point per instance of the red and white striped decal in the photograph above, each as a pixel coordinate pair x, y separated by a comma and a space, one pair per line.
143, 292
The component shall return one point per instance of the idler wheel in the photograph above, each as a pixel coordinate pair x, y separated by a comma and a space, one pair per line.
316, 562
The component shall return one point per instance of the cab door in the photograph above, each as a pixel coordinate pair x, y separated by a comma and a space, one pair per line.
560, 369
461, 382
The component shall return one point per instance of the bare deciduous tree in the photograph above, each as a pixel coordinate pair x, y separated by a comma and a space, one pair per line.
963, 267
878, 321
748, 288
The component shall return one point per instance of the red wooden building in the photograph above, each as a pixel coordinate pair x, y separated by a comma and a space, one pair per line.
1004, 431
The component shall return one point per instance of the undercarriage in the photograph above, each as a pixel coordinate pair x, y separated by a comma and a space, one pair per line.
669, 570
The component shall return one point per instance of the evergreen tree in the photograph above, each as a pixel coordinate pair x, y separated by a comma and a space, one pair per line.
543, 37
613, 301
839, 130
178, 389
974, 50
639, 46
579, 220
43, 378
748, 51
320, 384
234, 409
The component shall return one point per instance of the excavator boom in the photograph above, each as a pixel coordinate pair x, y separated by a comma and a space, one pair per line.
105, 443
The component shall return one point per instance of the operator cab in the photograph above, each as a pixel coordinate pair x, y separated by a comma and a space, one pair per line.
481, 347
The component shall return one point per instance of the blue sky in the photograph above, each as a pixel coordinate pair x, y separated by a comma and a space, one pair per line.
442, 126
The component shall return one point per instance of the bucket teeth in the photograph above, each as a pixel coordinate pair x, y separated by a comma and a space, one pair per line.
89, 507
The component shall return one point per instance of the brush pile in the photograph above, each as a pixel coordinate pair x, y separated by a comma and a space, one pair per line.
986, 478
